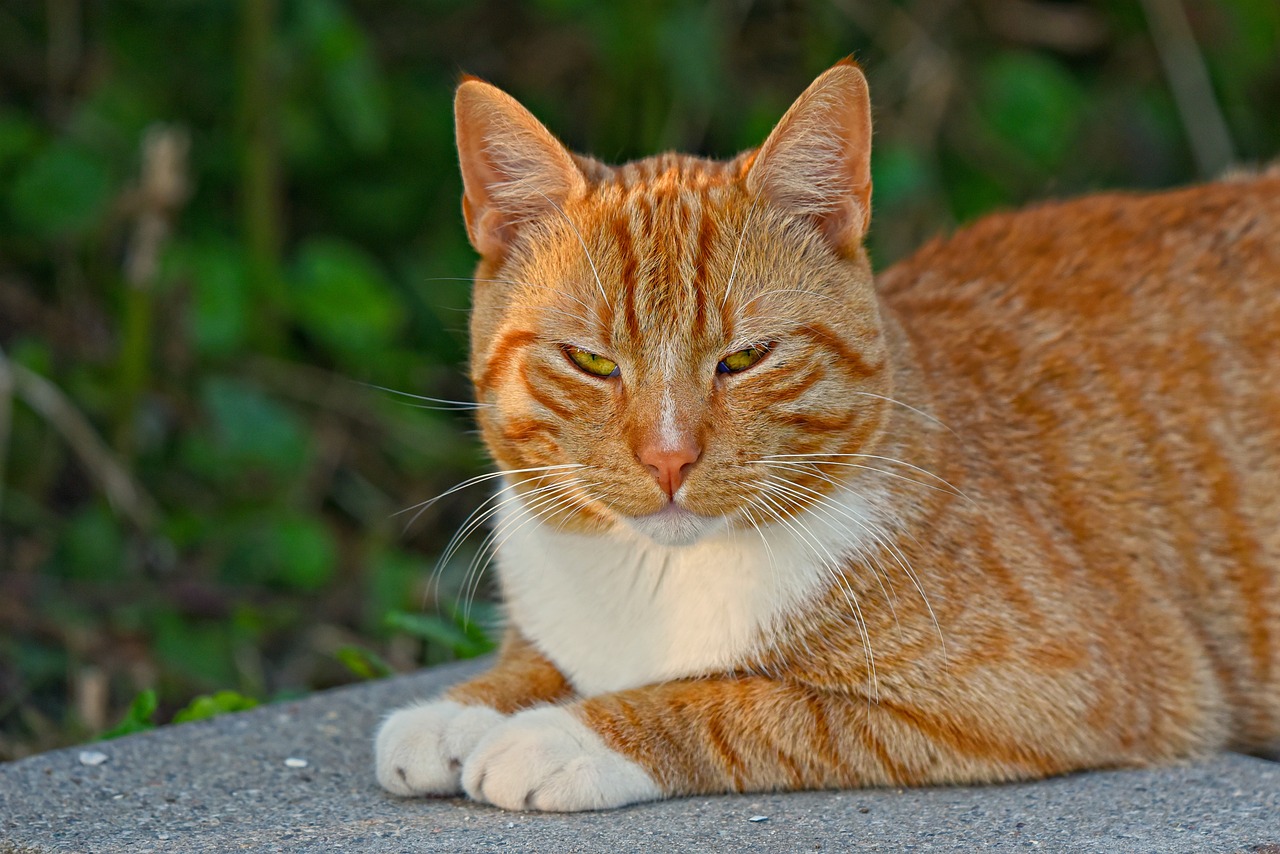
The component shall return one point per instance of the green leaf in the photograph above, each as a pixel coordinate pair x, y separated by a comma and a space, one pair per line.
18, 137
34, 354
63, 191
282, 548
358, 102
200, 651
691, 41
973, 192
40, 663
1033, 103
91, 546
252, 429
356, 95
138, 718
899, 173
391, 579
304, 553
218, 316
343, 299
464, 638
364, 663
211, 705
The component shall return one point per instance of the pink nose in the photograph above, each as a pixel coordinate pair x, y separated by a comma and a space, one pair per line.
669, 466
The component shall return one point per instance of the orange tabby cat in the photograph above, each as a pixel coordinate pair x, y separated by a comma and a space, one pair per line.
1011, 511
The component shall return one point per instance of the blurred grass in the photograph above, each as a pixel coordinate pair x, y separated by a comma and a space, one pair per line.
316, 250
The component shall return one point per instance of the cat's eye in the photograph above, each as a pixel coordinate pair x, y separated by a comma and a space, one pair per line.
741, 360
593, 363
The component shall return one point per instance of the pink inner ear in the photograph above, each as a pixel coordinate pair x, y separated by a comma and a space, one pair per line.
817, 160
513, 169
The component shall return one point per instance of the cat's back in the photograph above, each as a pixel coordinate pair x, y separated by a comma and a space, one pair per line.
1108, 301
1110, 367
1100, 257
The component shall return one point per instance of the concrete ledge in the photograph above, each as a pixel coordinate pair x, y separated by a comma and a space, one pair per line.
224, 785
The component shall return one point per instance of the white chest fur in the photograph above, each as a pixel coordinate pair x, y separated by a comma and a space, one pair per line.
619, 611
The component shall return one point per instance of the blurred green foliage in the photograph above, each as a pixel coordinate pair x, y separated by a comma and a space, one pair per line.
141, 713
318, 255
137, 717
211, 705
464, 638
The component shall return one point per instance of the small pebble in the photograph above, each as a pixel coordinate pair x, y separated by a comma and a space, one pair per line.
758, 818
92, 757
295, 762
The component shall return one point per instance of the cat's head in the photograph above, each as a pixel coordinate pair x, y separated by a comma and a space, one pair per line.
650, 340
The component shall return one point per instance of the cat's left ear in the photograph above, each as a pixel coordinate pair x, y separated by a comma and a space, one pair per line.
513, 169
817, 160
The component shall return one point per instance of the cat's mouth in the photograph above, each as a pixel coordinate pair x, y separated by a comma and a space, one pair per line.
674, 525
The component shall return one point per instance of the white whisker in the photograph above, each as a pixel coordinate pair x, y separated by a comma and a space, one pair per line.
737, 251
804, 291
829, 511
569, 314
488, 508
815, 470
480, 478
919, 412
539, 286
821, 458
578, 234
833, 568
544, 507
444, 405
480, 560
886, 541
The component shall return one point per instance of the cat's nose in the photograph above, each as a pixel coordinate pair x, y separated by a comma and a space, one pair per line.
669, 464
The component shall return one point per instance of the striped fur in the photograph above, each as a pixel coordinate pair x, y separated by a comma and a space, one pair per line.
1009, 511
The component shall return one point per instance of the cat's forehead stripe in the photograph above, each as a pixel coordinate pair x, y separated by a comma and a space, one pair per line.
663, 241
691, 172
706, 236
621, 230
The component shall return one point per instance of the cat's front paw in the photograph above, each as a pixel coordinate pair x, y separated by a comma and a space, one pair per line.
547, 759
420, 749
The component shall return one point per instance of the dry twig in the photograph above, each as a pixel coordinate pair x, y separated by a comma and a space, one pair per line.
125, 495
160, 193
6, 420
1189, 81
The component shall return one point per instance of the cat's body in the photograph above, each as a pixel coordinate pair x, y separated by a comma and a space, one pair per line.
1116, 406
1011, 512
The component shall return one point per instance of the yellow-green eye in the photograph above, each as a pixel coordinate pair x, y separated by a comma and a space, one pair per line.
741, 360
593, 364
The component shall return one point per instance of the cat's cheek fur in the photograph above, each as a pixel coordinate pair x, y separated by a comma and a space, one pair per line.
420, 749
547, 759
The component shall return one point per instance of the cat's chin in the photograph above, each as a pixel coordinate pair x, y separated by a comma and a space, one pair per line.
674, 526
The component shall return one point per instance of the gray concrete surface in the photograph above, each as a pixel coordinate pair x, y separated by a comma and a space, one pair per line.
224, 786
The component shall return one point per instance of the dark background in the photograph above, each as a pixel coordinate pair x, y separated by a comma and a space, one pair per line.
198, 490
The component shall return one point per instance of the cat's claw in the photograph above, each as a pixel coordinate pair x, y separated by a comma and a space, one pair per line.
547, 759
420, 750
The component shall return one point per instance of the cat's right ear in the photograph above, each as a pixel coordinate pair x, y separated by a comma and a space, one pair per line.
513, 169
817, 161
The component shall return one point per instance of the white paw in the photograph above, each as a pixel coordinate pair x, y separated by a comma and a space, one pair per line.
420, 749
547, 759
